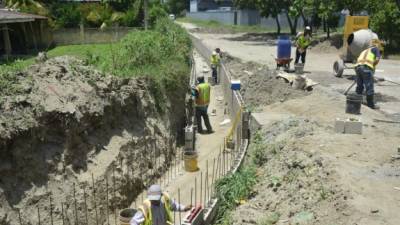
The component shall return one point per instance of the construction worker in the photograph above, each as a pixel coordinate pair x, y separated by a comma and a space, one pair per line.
215, 63
157, 208
302, 43
365, 69
202, 95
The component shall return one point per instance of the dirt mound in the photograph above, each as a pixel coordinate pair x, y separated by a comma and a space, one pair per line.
331, 45
295, 186
68, 131
260, 86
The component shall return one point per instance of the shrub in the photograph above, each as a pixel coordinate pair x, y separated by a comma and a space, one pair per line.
156, 12
65, 15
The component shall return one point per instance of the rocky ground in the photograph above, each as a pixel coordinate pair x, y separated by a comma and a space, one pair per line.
76, 144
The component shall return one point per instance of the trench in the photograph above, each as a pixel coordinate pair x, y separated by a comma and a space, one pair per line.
69, 171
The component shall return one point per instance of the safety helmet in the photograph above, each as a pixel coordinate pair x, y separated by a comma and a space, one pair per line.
214, 53
154, 192
308, 28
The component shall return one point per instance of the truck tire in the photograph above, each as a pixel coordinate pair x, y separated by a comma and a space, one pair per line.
338, 68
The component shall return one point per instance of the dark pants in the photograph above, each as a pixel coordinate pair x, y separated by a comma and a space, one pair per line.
214, 74
302, 55
365, 78
202, 112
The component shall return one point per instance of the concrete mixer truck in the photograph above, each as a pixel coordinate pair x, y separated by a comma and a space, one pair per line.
357, 38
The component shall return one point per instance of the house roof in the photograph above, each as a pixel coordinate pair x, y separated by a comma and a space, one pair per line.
8, 16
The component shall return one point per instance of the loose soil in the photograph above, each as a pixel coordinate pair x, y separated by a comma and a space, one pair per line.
85, 141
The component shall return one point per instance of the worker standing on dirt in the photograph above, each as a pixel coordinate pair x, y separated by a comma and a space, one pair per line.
202, 94
303, 40
215, 64
157, 209
365, 69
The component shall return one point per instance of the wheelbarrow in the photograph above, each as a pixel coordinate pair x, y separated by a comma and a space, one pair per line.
283, 62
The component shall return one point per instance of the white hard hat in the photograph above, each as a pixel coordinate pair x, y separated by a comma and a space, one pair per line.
308, 28
154, 192
214, 53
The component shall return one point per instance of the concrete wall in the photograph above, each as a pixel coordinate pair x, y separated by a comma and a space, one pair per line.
244, 17
68, 36
225, 17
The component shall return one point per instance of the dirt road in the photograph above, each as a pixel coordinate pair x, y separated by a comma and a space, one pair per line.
323, 177
262, 49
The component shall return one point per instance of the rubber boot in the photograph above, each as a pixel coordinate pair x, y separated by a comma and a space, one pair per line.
370, 102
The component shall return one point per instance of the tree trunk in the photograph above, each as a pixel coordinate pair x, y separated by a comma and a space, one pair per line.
290, 23
146, 16
328, 32
305, 20
324, 24
278, 25
294, 29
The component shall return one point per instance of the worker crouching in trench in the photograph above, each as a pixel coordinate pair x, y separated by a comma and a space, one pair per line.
157, 209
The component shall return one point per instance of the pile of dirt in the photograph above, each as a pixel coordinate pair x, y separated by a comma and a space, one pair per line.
74, 137
295, 186
260, 86
331, 45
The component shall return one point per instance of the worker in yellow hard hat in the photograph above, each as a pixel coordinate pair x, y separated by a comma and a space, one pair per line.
303, 41
157, 209
215, 63
365, 69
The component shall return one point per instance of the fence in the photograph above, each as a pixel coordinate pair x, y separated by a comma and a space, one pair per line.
82, 35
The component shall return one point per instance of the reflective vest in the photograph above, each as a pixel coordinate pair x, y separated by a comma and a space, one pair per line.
368, 58
303, 41
214, 60
146, 210
203, 97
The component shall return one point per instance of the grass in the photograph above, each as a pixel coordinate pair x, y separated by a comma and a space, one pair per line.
161, 54
212, 24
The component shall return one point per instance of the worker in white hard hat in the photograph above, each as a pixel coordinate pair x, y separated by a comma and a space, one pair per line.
157, 209
303, 41
365, 69
215, 64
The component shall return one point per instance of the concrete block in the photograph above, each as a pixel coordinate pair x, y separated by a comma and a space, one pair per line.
339, 126
353, 126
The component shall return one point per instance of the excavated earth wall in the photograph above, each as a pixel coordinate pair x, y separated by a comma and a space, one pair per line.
76, 144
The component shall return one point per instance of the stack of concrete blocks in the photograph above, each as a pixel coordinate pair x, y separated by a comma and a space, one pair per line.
348, 126
189, 139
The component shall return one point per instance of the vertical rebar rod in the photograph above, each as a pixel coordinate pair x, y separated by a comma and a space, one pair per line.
195, 190
212, 179
201, 187
38, 214
19, 217
191, 197
51, 210
94, 199
206, 185
75, 206
62, 213
86, 206
180, 210
107, 205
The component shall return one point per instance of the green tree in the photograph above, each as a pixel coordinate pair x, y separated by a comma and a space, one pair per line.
177, 6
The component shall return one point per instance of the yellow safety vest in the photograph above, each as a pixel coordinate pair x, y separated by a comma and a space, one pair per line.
203, 98
214, 60
303, 42
146, 210
368, 58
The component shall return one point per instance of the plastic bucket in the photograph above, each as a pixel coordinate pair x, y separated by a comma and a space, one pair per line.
190, 159
353, 103
126, 215
299, 68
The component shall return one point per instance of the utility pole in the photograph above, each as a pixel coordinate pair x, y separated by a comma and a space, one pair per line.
146, 14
